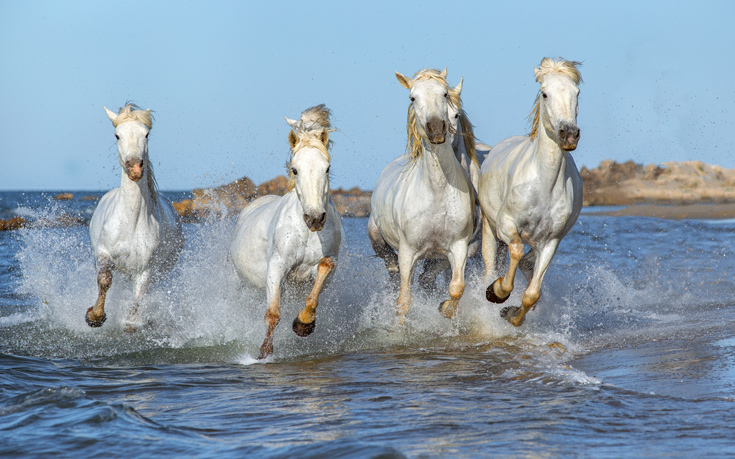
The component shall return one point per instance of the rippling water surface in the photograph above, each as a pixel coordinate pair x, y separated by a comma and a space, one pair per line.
630, 352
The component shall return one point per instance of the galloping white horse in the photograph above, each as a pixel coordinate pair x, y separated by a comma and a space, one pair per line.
294, 237
423, 204
530, 189
463, 144
134, 230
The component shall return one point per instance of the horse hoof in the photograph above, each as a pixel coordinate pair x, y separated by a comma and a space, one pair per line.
509, 313
265, 351
95, 323
448, 310
303, 329
492, 297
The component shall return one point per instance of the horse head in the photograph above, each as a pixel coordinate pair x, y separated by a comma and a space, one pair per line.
556, 105
430, 97
309, 173
132, 127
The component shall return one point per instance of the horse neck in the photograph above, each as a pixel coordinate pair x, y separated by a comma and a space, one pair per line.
550, 158
136, 195
440, 164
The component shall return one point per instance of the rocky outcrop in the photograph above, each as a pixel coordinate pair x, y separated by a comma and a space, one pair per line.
689, 182
229, 199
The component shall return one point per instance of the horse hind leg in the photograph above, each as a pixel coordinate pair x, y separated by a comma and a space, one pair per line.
432, 268
305, 322
383, 250
95, 315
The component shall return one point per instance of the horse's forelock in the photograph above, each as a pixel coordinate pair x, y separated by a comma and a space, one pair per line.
131, 112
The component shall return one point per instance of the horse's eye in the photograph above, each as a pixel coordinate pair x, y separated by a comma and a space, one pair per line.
328, 167
117, 137
413, 99
294, 171
146, 134
446, 94
544, 95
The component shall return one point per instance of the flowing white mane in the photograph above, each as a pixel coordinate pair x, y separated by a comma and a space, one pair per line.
414, 145
548, 66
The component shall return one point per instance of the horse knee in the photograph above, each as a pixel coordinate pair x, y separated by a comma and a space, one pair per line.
104, 279
515, 249
456, 289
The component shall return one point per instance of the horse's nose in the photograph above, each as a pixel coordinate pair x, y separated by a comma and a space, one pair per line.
436, 128
569, 137
315, 223
134, 169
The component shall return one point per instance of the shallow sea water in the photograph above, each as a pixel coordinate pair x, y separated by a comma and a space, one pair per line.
629, 353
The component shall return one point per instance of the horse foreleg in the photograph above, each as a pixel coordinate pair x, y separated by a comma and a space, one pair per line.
95, 315
500, 290
305, 322
132, 321
517, 315
489, 249
458, 261
273, 314
406, 264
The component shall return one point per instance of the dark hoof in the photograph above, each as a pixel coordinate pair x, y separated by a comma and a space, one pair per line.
95, 323
492, 297
303, 329
265, 351
509, 312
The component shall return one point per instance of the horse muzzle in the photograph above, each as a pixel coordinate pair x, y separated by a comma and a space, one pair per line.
315, 223
436, 131
134, 169
568, 137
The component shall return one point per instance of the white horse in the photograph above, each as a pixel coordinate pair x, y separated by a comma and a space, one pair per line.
134, 230
530, 189
423, 205
294, 237
464, 146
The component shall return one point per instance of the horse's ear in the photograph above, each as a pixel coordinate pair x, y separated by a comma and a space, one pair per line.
458, 88
110, 114
324, 137
405, 81
443, 74
293, 123
293, 139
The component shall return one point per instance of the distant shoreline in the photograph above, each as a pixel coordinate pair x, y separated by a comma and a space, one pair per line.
717, 211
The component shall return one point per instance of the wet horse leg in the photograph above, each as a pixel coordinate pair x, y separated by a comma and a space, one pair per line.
384, 251
500, 290
305, 322
489, 249
95, 315
407, 263
458, 260
517, 315
273, 314
132, 321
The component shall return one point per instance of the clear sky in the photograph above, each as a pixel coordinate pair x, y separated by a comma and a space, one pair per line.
220, 76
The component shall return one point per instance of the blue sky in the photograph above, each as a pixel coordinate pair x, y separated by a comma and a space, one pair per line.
220, 76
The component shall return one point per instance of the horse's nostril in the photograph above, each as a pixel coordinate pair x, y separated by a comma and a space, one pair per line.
323, 218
